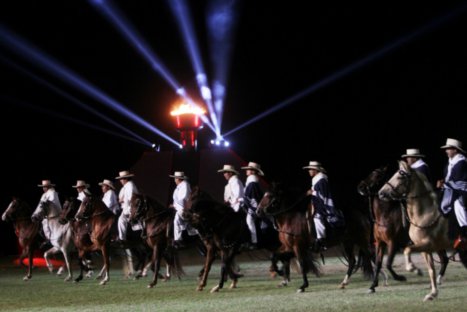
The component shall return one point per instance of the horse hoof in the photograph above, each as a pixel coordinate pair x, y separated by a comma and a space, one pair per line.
428, 298
300, 290
103, 282
233, 285
401, 278
60, 271
26, 278
419, 272
215, 289
370, 291
151, 286
199, 288
342, 285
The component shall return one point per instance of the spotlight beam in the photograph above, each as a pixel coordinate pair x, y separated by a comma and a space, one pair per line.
352, 67
180, 11
32, 54
73, 100
73, 120
116, 18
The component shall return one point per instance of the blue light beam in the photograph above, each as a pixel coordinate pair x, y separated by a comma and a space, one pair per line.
32, 54
352, 67
74, 100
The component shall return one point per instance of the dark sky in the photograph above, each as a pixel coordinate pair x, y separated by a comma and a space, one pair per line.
412, 96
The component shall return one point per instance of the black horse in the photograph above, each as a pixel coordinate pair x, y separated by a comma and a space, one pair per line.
225, 231
297, 234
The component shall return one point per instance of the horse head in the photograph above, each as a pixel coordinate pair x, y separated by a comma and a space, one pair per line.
370, 185
69, 210
399, 185
277, 200
15, 210
85, 209
45, 209
138, 207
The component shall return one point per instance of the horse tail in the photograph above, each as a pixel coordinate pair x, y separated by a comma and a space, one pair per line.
463, 257
365, 261
173, 260
311, 263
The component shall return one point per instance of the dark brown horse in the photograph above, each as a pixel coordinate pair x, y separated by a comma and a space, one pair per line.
157, 220
389, 231
27, 231
95, 234
223, 231
289, 212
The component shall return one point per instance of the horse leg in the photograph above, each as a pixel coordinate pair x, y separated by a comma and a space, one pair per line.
67, 263
378, 265
207, 266
304, 266
156, 258
348, 249
409, 266
444, 259
225, 264
106, 258
431, 272
47, 254
29, 253
391, 254
81, 265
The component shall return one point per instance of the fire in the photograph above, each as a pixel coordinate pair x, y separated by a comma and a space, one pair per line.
185, 108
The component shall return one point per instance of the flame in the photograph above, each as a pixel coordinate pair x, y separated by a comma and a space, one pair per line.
186, 108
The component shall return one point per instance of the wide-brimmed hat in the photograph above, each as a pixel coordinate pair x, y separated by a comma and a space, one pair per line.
412, 152
108, 183
81, 183
254, 166
124, 174
315, 165
453, 143
46, 183
228, 168
179, 175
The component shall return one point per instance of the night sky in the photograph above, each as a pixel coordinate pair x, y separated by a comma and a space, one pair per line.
412, 96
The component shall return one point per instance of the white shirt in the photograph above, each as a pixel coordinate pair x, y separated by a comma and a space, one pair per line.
81, 195
181, 195
125, 196
51, 195
233, 192
110, 200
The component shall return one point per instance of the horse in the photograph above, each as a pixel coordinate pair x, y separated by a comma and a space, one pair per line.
388, 225
157, 220
61, 235
93, 232
428, 228
289, 212
19, 212
224, 231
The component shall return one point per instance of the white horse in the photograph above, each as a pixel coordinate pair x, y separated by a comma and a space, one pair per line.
60, 234
428, 228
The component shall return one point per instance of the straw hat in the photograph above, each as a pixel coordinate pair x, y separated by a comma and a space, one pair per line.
46, 183
81, 183
254, 166
315, 165
412, 152
179, 175
108, 183
228, 168
453, 143
124, 174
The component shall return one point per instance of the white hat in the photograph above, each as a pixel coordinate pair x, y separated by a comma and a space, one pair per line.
228, 168
124, 174
412, 152
179, 175
46, 183
108, 183
254, 166
453, 143
315, 165
81, 183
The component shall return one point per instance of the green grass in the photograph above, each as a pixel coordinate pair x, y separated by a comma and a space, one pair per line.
256, 291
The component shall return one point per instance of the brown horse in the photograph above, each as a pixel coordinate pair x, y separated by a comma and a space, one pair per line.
223, 231
27, 231
157, 220
389, 231
428, 228
95, 234
289, 212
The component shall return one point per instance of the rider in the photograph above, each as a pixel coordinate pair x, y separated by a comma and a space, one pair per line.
251, 198
454, 188
82, 189
124, 197
322, 204
109, 197
181, 196
233, 191
416, 162
49, 195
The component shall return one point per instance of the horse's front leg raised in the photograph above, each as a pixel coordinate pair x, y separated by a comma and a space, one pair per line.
47, 254
409, 266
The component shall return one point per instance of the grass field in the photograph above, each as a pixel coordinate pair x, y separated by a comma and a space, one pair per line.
257, 291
